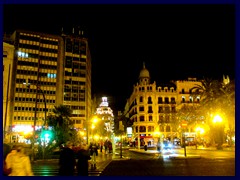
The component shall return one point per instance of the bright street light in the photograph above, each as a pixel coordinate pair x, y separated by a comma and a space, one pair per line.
217, 119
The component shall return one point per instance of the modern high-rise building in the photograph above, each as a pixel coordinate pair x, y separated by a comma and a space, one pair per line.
77, 77
47, 70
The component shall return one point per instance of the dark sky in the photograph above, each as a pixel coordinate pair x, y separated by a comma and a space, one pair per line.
174, 41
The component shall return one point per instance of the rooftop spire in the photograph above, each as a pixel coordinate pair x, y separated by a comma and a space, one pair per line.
144, 65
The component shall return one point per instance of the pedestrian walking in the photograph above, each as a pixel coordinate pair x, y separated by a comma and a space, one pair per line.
93, 152
110, 146
101, 146
83, 156
134, 144
106, 146
18, 162
67, 161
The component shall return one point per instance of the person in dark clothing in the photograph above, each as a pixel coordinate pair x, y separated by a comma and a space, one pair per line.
67, 161
83, 156
110, 146
93, 152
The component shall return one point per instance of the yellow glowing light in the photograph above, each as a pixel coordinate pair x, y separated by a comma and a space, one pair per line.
200, 130
95, 119
93, 126
96, 137
156, 133
217, 119
81, 133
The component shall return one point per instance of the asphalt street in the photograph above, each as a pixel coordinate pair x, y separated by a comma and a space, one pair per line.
150, 163
171, 167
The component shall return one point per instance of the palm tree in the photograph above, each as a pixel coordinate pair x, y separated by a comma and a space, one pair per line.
228, 104
209, 91
61, 124
213, 99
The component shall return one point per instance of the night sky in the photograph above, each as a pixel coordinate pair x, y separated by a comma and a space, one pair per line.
174, 41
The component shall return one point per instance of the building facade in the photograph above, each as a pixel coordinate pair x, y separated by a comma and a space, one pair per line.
46, 73
8, 52
77, 77
153, 109
106, 118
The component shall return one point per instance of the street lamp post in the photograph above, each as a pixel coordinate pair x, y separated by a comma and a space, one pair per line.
184, 126
35, 119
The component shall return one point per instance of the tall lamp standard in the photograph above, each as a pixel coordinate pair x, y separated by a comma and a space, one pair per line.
35, 118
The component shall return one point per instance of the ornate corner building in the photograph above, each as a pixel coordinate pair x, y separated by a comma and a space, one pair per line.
153, 108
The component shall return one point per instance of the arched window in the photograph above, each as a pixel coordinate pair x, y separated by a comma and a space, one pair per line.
149, 100
150, 109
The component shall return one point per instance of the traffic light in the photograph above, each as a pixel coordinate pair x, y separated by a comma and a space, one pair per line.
46, 134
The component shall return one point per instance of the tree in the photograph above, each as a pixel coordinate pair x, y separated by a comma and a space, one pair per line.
228, 105
216, 98
61, 124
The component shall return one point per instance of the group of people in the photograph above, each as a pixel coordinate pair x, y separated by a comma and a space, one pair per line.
70, 158
17, 163
68, 162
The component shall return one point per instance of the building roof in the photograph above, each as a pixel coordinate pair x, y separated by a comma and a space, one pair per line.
144, 73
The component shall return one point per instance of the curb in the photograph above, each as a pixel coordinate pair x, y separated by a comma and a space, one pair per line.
184, 157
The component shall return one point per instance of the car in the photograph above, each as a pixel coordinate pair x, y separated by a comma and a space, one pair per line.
167, 145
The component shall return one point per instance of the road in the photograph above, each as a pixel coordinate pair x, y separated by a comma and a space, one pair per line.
211, 163
171, 167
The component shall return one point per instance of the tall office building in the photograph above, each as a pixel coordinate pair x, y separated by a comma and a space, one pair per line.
47, 70
77, 77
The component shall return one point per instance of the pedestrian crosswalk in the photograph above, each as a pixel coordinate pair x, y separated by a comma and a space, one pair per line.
45, 170
48, 170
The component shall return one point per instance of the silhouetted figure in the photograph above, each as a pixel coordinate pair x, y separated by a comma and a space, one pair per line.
110, 146
67, 161
106, 146
83, 156
93, 152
